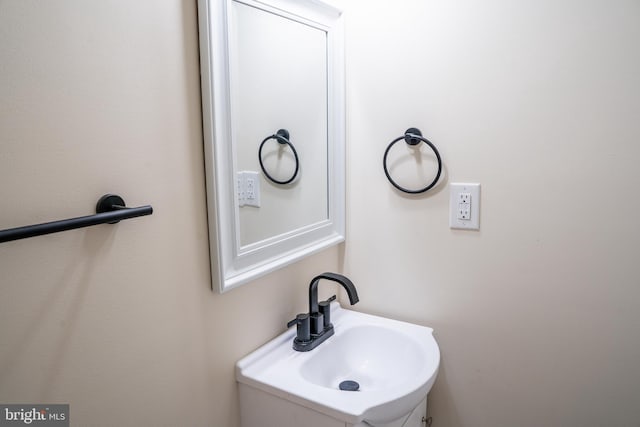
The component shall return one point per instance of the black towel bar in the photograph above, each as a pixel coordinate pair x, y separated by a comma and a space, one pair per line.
109, 209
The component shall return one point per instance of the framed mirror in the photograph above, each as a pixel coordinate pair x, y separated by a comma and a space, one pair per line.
274, 132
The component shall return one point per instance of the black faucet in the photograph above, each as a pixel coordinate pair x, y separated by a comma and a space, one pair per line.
315, 327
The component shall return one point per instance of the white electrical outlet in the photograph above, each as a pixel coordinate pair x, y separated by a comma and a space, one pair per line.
240, 189
252, 187
464, 206
248, 188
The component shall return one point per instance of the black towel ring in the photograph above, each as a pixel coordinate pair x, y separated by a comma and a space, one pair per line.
413, 137
282, 136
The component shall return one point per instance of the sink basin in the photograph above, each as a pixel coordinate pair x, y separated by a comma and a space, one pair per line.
357, 355
394, 364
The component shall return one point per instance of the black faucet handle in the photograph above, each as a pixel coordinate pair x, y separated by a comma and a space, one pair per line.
303, 330
295, 321
325, 309
328, 300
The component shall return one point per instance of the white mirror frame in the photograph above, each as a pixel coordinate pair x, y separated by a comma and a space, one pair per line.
231, 264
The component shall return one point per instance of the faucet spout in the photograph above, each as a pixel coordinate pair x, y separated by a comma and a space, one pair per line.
345, 282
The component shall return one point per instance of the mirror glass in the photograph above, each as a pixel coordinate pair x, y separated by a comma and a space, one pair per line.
273, 120
278, 72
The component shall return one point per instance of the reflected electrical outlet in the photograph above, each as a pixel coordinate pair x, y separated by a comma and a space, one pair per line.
248, 183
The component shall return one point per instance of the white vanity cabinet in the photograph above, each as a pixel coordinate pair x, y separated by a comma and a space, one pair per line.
261, 409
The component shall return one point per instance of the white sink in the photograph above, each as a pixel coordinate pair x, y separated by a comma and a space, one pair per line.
395, 364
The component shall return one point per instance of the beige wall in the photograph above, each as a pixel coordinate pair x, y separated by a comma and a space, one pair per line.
537, 314
119, 321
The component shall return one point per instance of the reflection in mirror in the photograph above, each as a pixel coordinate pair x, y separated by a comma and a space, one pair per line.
278, 72
268, 67
283, 138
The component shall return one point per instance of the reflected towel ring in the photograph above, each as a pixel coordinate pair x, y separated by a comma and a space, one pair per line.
413, 137
282, 136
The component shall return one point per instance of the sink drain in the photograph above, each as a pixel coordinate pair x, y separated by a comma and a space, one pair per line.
349, 385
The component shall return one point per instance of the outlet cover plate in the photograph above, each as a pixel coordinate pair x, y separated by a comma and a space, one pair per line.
464, 196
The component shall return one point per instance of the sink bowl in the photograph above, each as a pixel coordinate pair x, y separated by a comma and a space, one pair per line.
394, 364
358, 355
